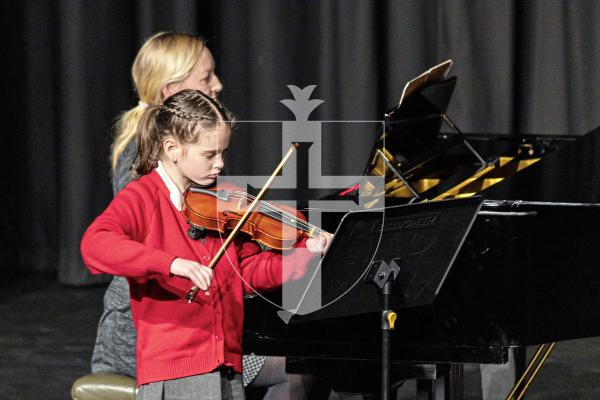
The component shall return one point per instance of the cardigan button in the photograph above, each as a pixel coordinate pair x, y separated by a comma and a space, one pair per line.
206, 258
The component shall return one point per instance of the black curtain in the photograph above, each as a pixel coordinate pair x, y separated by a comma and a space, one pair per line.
522, 67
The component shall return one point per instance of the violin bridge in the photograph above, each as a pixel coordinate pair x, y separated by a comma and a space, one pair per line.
242, 200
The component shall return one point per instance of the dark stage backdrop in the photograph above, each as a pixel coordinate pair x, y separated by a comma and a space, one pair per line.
522, 67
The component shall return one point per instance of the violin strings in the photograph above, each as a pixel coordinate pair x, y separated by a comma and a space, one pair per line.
298, 222
264, 204
294, 220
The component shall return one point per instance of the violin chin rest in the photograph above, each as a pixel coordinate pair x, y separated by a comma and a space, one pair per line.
196, 233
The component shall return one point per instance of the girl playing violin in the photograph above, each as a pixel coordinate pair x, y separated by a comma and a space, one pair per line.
166, 63
183, 349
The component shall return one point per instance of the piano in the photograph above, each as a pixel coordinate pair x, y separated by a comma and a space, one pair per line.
527, 273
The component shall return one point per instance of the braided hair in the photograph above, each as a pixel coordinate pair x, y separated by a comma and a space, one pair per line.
185, 116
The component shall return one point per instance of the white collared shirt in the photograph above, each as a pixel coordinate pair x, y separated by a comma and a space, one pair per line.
174, 193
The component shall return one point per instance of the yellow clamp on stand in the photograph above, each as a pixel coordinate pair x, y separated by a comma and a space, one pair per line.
390, 317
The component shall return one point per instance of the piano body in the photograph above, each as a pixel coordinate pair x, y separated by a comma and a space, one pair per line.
526, 274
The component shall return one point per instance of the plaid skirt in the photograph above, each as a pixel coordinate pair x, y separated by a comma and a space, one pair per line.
224, 384
252, 365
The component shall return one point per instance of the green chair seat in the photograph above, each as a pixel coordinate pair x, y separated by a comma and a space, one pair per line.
103, 386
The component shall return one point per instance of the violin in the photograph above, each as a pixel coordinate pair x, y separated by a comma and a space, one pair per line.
276, 226
265, 222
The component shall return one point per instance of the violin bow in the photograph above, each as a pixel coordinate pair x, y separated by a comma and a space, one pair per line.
191, 295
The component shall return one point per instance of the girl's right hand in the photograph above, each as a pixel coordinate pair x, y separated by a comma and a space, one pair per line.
199, 274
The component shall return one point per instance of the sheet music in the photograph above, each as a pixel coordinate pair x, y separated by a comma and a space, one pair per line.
434, 74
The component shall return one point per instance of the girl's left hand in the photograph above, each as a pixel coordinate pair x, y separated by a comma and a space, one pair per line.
321, 244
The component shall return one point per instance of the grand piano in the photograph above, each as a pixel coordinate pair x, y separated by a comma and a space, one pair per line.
527, 273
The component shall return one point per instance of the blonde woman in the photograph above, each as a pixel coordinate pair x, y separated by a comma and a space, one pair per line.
166, 64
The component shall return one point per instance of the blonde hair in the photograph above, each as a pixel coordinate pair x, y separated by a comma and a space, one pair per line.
165, 58
184, 116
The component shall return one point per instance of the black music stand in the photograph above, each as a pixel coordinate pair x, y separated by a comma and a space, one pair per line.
386, 260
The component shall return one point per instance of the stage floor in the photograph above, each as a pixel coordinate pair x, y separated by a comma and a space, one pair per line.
47, 333
46, 336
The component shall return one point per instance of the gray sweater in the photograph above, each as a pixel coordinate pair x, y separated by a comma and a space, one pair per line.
114, 350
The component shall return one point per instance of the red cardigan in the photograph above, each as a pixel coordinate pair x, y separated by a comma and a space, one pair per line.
138, 236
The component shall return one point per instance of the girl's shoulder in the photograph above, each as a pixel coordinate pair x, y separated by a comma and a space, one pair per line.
148, 188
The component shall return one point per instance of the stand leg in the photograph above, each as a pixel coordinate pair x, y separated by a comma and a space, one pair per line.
384, 277
385, 364
388, 318
520, 361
